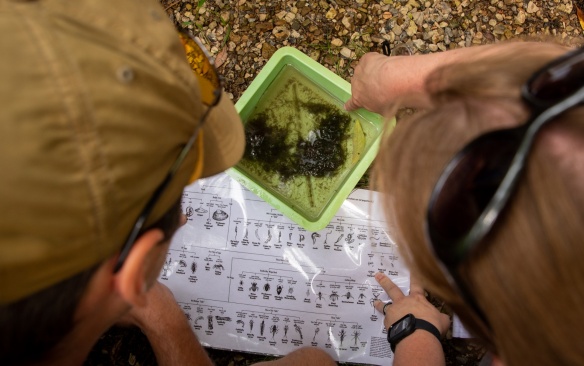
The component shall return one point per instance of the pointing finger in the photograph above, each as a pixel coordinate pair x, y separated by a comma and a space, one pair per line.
394, 292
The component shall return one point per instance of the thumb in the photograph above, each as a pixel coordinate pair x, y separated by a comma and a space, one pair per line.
351, 105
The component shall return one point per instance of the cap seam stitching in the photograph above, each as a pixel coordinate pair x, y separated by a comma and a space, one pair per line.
67, 101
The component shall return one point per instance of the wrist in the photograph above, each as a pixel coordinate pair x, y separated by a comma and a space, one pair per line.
420, 349
160, 321
406, 76
418, 339
407, 326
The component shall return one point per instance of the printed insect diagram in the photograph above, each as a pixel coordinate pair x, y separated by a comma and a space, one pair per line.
249, 279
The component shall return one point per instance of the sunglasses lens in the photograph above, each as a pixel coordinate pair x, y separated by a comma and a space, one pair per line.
464, 191
202, 67
560, 79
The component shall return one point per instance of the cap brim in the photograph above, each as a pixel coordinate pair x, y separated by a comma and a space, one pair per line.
223, 138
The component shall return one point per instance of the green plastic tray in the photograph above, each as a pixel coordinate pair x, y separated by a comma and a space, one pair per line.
337, 91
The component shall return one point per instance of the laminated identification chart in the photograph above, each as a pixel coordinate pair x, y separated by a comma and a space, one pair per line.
250, 279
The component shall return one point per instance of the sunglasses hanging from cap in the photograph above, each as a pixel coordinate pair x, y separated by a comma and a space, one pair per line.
478, 182
210, 85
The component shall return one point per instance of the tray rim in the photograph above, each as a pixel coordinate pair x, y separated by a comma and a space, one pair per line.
270, 70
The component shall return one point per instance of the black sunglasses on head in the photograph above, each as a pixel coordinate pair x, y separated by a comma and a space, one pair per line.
478, 182
210, 87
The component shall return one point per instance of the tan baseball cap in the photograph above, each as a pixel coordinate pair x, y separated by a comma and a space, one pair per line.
97, 101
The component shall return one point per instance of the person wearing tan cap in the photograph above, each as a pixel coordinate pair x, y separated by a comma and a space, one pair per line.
103, 122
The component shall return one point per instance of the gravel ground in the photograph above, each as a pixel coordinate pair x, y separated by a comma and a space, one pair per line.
243, 34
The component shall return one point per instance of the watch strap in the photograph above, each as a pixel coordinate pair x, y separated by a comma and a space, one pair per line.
429, 327
420, 324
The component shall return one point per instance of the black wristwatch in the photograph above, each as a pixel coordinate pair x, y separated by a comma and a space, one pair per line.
406, 326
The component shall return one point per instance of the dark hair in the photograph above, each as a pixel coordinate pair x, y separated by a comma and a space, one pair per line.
31, 327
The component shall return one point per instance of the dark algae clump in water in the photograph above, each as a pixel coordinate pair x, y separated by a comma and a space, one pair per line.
266, 144
300, 143
324, 151
320, 154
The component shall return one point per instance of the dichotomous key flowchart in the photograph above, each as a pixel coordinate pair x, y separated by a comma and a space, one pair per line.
250, 279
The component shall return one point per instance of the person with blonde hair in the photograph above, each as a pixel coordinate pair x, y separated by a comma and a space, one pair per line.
484, 189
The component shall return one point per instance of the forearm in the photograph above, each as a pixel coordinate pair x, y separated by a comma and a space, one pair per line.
381, 82
420, 348
174, 342
164, 323
406, 76
408, 89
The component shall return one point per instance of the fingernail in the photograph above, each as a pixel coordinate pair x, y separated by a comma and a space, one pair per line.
378, 276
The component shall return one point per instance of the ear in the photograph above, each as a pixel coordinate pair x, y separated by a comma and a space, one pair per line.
131, 281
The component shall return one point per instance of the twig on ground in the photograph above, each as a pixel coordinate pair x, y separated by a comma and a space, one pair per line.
171, 5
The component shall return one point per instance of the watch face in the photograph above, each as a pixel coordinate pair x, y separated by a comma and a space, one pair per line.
399, 327
402, 327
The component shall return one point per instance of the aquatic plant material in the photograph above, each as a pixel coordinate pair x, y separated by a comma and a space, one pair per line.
321, 153
300, 144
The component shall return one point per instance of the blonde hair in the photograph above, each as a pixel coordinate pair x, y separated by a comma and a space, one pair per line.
528, 277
